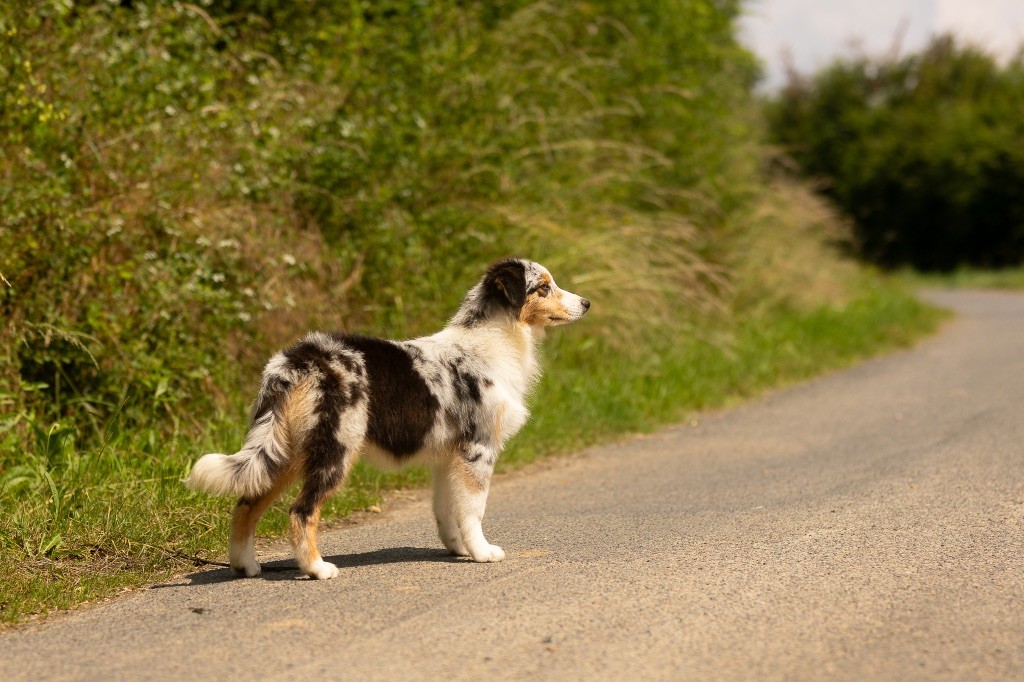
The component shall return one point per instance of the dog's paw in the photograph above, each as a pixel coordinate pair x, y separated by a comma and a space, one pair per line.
322, 570
491, 554
250, 570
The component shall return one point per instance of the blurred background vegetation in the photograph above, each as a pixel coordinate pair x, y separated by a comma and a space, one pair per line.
188, 186
925, 152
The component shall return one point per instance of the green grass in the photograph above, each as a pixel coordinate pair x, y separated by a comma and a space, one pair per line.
197, 186
968, 278
87, 523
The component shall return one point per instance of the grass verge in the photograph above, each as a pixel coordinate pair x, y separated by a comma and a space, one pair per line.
117, 517
968, 278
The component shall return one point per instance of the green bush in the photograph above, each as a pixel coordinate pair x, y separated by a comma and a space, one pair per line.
189, 186
195, 186
924, 152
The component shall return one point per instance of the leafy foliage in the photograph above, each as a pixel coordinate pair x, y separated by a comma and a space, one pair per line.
168, 158
923, 152
187, 186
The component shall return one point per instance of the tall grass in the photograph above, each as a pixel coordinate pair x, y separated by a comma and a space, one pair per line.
187, 187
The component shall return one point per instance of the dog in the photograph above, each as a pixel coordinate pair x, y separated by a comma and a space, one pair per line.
450, 400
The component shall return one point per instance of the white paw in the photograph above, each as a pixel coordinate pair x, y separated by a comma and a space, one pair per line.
322, 570
490, 554
249, 570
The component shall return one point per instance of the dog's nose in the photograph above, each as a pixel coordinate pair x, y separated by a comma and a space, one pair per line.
586, 304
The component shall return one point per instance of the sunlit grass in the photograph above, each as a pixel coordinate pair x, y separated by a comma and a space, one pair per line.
81, 525
156, 249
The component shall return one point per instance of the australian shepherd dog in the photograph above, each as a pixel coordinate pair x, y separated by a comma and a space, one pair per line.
450, 400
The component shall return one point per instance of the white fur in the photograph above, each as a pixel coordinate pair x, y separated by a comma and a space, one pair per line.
217, 473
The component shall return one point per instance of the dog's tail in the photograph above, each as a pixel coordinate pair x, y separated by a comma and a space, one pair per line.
251, 471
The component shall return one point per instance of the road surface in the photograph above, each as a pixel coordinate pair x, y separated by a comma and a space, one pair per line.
866, 525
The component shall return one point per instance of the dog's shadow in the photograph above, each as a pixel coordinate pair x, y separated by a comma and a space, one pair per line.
285, 569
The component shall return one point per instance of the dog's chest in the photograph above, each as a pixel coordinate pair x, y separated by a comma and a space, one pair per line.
480, 392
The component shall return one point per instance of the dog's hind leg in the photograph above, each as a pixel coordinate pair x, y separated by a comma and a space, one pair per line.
330, 445
330, 451
247, 513
466, 478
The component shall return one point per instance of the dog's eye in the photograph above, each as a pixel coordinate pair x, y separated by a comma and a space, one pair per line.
544, 290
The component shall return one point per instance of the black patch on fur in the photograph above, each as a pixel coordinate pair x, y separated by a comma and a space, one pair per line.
415, 352
272, 393
505, 284
466, 384
322, 477
402, 408
451, 418
469, 433
502, 291
338, 391
323, 452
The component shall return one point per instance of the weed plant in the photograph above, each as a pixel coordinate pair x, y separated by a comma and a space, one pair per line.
188, 186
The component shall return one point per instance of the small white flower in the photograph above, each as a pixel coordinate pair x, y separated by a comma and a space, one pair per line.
288, 259
202, 241
149, 255
217, 277
244, 316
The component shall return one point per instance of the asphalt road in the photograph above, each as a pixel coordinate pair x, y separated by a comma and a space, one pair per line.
867, 525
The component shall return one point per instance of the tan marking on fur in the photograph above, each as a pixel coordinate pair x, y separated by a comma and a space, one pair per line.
241, 521
306, 532
539, 310
499, 425
298, 411
467, 476
246, 517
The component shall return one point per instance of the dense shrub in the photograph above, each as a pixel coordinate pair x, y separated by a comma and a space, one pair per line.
187, 185
925, 152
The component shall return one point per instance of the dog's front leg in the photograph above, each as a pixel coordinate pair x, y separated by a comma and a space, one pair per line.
460, 498
445, 509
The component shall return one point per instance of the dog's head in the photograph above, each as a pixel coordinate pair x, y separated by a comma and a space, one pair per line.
527, 291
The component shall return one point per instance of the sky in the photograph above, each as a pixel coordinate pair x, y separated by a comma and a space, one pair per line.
812, 32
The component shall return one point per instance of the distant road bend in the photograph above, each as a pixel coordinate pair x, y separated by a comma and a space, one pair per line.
866, 525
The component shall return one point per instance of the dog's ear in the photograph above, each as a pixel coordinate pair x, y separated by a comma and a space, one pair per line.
505, 283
